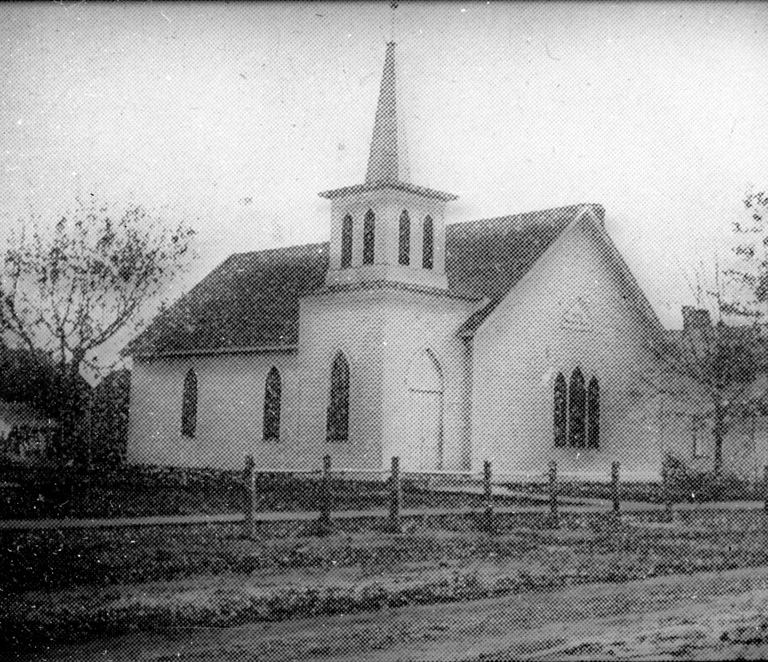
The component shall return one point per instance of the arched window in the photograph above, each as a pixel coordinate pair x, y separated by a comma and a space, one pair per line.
189, 405
369, 236
271, 422
593, 414
428, 244
576, 410
405, 238
346, 242
561, 416
337, 421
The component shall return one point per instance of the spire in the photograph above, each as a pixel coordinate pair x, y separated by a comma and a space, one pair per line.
388, 160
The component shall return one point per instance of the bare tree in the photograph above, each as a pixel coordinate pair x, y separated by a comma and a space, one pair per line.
750, 273
713, 361
71, 289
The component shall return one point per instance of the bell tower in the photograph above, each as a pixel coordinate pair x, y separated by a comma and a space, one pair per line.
387, 229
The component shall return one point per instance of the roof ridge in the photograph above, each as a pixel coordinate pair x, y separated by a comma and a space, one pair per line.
535, 212
279, 248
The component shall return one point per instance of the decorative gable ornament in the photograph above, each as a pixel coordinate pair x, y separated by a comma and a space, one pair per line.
577, 317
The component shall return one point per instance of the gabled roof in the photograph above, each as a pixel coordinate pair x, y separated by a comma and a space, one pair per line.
633, 292
560, 219
251, 300
488, 257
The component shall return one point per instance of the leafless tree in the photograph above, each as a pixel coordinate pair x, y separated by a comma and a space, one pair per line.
69, 289
716, 358
749, 274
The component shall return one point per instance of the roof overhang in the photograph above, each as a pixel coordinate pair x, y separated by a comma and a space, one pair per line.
382, 185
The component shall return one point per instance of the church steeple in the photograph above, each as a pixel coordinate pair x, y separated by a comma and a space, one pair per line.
388, 160
387, 229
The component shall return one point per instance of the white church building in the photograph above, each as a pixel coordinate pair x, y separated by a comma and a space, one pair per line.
519, 339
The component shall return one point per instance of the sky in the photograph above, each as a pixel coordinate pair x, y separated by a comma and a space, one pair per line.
233, 116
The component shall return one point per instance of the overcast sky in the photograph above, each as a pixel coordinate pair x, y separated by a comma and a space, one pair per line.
234, 116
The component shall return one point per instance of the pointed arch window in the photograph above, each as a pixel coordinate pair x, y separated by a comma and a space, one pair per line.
337, 421
561, 412
405, 239
593, 413
272, 396
369, 237
577, 410
346, 242
189, 405
428, 244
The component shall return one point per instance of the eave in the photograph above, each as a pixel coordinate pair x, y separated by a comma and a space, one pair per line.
216, 351
382, 185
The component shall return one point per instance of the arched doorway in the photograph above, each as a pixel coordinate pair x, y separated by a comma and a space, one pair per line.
425, 391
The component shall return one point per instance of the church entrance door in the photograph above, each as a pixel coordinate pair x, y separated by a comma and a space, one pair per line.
425, 385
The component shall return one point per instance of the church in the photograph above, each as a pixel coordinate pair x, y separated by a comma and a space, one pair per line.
519, 339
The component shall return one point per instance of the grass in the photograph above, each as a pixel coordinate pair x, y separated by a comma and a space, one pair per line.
683, 487
70, 586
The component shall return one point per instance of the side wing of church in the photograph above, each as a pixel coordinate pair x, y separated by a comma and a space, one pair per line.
518, 339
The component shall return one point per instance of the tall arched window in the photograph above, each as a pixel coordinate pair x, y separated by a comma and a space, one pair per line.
561, 415
272, 392
337, 421
346, 242
405, 239
428, 244
189, 405
593, 414
577, 410
369, 236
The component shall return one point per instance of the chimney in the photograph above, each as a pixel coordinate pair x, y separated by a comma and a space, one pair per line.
695, 318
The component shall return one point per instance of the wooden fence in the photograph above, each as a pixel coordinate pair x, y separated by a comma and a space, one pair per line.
395, 498
552, 501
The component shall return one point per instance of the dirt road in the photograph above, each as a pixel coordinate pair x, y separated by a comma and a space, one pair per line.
705, 616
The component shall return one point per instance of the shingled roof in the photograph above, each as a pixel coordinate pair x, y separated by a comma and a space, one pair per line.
252, 299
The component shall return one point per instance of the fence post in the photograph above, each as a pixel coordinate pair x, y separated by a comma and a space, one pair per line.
325, 496
554, 518
615, 487
666, 489
488, 522
249, 502
395, 496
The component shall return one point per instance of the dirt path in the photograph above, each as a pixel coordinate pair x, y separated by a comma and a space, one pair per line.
706, 616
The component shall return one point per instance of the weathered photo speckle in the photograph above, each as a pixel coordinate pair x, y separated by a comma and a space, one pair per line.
383, 331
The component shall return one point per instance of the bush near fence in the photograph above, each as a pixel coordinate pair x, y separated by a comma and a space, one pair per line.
46, 491
685, 485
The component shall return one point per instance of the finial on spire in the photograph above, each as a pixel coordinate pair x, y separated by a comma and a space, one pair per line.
392, 6
388, 160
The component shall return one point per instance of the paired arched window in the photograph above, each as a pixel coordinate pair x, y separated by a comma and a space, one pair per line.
405, 239
577, 411
369, 236
346, 242
337, 421
272, 395
189, 405
428, 244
